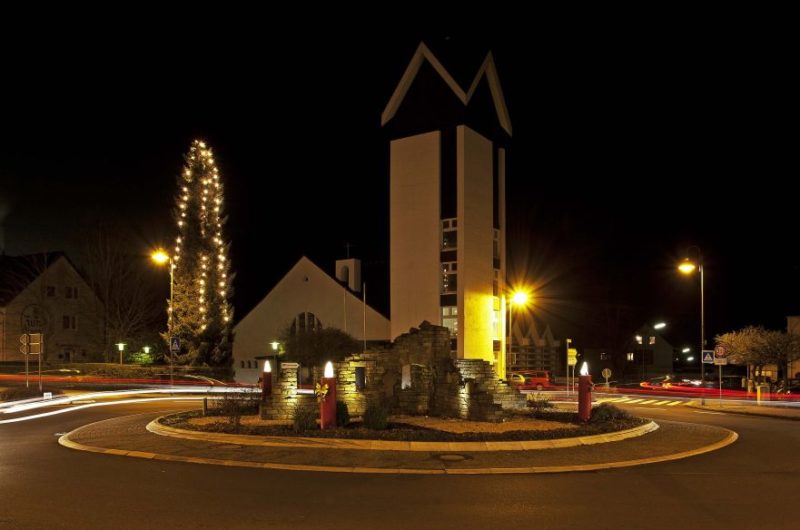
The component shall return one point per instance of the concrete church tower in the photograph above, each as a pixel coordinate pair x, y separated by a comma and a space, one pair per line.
447, 205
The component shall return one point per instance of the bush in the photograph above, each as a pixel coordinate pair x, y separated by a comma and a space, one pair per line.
21, 392
539, 403
608, 412
342, 414
376, 417
305, 417
234, 407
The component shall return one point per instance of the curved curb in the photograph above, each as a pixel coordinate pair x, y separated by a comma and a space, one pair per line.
729, 439
382, 445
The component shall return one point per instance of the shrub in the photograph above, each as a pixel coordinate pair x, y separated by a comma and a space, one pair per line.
608, 412
342, 414
234, 407
539, 403
305, 417
375, 417
21, 392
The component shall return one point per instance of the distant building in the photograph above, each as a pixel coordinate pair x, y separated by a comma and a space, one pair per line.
307, 298
447, 165
531, 350
44, 293
647, 355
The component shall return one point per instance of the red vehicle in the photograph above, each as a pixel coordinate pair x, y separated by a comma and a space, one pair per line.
532, 379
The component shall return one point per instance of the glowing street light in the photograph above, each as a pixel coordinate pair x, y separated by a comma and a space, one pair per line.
161, 257
519, 298
688, 266
660, 325
686, 350
121, 348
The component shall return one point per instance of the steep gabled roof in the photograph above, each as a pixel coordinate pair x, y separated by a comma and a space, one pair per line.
17, 272
487, 70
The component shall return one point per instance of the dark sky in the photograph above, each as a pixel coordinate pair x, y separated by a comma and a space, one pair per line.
629, 146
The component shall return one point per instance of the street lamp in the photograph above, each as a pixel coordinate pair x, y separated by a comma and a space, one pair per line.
121, 348
518, 298
161, 257
688, 266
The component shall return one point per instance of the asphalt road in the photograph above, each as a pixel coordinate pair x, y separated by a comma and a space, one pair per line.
750, 484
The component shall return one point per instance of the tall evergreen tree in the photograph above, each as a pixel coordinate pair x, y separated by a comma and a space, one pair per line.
202, 314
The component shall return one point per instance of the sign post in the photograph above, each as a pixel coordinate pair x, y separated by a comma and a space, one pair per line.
720, 359
174, 348
24, 350
607, 375
32, 344
572, 360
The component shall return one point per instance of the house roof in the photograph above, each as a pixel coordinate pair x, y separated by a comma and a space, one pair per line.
17, 272
424, 54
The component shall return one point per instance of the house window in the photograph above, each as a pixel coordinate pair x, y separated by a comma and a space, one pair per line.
630, 356
449, 234
51, 291
496, 244
361, 378
449, 277
242, 364
495, 325
496, 283
450, 319
69, 322
68, 292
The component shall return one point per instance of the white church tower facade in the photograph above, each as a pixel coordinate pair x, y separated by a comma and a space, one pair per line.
447, 205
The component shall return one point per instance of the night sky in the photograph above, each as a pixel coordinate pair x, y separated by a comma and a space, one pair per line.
628, 148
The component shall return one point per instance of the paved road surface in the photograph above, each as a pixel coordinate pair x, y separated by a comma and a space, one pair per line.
751, 484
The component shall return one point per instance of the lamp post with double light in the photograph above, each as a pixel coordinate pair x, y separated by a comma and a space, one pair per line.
688, 266
161, 257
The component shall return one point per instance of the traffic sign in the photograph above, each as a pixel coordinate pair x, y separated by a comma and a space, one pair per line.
24, 339
35, 343
606, 373
175, 344
708, 356
572, 356
720, 355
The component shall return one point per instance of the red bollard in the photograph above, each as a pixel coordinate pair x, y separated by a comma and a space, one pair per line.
327, 407
585, 397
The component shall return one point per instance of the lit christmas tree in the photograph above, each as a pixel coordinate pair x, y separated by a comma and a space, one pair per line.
202, 314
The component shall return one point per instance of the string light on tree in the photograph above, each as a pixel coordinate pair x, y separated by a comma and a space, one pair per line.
202, 309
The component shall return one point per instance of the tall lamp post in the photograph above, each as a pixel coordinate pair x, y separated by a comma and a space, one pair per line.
688, 266
161, 257
520, 299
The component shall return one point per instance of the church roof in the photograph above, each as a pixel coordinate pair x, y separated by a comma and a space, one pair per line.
487, 71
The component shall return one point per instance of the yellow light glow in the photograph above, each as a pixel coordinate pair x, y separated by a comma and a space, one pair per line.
519, 298
160, 256
687, 266
328, 369
274, 345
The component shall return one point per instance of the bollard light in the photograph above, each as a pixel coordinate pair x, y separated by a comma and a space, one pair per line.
328, 370
267, 367
585, 368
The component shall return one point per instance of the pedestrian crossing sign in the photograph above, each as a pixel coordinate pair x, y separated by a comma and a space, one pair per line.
708, 356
